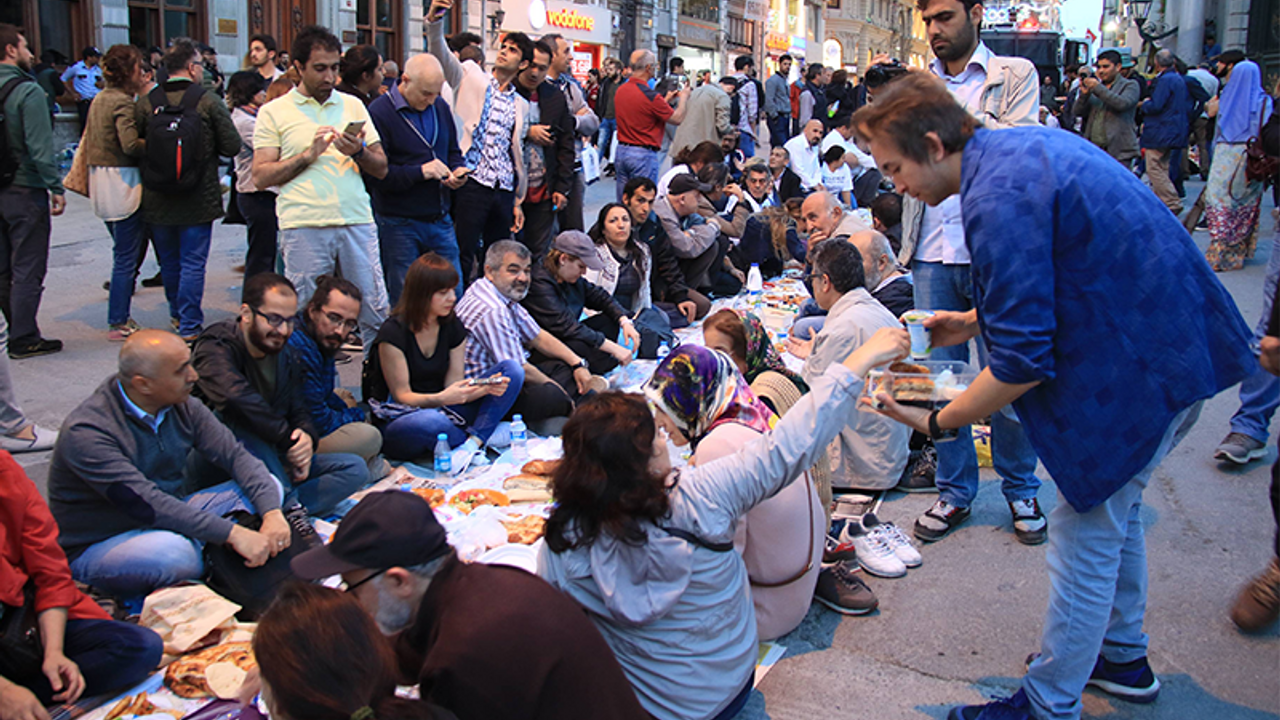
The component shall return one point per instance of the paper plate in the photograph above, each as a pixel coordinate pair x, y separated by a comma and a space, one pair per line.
524, 557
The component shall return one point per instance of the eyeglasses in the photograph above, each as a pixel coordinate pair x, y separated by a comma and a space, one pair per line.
273, 319
342, 322
352, 588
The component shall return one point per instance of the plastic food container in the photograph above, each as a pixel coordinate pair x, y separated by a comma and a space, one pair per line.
920, 383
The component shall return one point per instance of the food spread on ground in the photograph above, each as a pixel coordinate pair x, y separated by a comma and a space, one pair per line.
188, 676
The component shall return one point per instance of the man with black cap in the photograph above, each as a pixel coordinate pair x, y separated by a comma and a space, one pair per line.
558, 293
484, 641
692, 238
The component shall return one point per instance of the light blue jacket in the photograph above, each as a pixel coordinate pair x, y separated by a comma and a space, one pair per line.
679, 617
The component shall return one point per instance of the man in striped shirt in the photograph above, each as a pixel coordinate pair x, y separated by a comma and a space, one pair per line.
499, 328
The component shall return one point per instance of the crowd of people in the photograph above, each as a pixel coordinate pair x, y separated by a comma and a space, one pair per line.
430, 217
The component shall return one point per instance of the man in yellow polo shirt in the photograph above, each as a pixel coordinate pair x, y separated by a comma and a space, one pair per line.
314, 143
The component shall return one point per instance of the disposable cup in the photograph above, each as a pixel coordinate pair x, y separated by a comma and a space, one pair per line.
921, 342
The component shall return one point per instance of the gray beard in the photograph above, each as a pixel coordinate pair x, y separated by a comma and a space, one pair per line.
393, 615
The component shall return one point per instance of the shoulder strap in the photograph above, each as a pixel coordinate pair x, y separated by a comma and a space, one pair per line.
158, 98
695, 540
191, 98
8, 88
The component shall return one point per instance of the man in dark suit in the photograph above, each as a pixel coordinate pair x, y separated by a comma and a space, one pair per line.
786, 184
548, 151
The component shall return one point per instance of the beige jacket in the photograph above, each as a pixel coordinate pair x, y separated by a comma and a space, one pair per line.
1010, 98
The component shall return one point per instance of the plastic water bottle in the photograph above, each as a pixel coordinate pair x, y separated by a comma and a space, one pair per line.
755, 285
519, 439
443, 456
663, 350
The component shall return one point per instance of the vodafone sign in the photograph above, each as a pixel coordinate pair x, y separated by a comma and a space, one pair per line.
580, 23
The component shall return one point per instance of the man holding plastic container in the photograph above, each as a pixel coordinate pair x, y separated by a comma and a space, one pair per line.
1070, 307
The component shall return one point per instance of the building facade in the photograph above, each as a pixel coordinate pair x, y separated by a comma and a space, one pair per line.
858, 30
1183, 25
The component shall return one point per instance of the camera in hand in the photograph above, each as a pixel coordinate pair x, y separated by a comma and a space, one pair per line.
882, 73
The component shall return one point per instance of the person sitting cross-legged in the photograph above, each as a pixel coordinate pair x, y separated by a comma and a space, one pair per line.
81, 649
319, 331
254, 381
133, 515
414, 377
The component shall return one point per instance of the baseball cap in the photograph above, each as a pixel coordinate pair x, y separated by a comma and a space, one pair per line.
385, 530
685, 182
579, 245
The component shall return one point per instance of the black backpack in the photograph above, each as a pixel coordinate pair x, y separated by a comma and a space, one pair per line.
175, 146
9, 162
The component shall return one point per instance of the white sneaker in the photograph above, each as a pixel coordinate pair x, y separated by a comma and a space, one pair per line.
501, 437
895, 539
875, 555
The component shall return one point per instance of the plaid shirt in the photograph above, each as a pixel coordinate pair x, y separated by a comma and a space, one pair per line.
499, 327
490, 156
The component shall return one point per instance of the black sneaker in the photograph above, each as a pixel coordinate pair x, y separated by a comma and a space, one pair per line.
939, 520
43, 346
1132, 681
153, 281
1017, 707
841, 590
918, 475
300, 522
1029, 524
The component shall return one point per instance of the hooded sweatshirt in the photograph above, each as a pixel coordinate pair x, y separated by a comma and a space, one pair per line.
679, 617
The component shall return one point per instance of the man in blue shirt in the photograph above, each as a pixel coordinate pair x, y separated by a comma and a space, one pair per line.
1106, 330
412, 203
86, 81
1165, 127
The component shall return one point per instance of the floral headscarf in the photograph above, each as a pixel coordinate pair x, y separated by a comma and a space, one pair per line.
763, 357
701, 389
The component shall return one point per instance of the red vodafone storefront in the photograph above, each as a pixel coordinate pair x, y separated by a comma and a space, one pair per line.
588, 27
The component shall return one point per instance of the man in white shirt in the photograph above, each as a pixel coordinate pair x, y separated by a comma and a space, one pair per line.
806, 155
1001, 92
862, 167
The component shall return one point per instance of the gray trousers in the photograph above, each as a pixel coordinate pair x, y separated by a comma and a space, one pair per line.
11, 418
310, 252
24, 258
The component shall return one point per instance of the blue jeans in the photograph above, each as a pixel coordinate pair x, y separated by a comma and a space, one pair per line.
332, 479
111, 656
183, 252
413, 436
404, 239
132, 564
747, 145
809, 321
779, 130
635, 161
607, 128
126, 238
1260, 392
1098, 588
950, 287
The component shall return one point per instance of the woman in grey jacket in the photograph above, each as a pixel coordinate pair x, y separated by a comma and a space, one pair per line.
648, 551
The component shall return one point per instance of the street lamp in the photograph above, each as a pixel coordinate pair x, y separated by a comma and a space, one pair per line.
495, 24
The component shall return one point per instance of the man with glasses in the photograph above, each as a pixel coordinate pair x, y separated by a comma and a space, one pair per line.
319, 330
255, 384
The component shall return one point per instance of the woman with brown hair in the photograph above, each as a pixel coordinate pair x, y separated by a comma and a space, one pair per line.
113, 150
648, 551
413, 377
321, 657
625, 272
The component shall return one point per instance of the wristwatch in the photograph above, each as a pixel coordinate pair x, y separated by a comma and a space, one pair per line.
937, 433
582, 363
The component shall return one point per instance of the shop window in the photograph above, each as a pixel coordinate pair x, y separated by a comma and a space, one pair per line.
156, 22
741, 31
377, 23
833, 4
708, 10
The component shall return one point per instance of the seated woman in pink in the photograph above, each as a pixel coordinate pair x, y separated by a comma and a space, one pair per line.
703, 401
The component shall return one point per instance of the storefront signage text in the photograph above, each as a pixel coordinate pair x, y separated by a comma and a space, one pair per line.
571, 20
777, 41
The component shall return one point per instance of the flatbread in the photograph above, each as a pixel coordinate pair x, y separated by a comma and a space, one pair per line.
526, 530
468, 500
186, 675
540, 467
434, 496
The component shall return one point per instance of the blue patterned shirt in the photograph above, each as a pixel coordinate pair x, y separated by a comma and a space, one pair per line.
490, 155
1100, 295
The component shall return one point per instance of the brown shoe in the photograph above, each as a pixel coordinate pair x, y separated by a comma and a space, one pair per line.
1259, 603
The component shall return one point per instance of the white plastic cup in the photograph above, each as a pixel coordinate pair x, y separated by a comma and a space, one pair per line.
921, 340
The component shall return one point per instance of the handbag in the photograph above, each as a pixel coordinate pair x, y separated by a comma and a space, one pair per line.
1259, 165
590, 164
252, 589
77, 179
21, 652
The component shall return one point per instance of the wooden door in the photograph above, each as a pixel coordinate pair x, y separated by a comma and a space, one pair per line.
281, 19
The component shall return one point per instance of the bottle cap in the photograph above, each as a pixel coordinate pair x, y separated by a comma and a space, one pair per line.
443, 436
517, 418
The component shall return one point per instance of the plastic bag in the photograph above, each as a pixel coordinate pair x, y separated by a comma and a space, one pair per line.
590, 163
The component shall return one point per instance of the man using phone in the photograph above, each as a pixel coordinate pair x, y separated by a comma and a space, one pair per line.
488, 203
548, 151
315, 145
